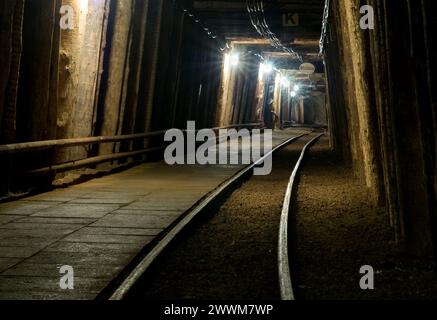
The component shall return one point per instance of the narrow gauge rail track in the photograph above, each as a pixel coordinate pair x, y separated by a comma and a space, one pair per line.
121, 287
284, 270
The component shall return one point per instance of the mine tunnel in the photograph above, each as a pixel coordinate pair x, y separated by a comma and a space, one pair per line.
218, 149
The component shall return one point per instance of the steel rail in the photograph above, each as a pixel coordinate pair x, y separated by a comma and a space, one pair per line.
285, 283
122, 290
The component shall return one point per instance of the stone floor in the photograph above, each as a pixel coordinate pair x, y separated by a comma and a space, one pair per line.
97, 227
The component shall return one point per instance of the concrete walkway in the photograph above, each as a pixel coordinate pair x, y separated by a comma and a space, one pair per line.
97, 227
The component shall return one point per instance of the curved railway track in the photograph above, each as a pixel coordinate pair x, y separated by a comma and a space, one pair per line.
121, 287
284, 270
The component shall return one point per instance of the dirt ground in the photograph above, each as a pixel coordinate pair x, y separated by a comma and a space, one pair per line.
231, 253
338, 230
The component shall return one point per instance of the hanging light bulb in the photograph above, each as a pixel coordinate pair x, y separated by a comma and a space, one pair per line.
285, 82
235, 59
296, 88
83, 4
293, 94
268, 67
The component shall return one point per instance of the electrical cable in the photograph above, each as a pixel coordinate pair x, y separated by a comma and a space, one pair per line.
255, 8
323, 37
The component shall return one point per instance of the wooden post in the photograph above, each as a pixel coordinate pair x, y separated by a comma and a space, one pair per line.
9, 113
78, 74
117, 63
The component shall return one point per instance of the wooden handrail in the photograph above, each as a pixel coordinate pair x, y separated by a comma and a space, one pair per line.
74, 142
83, 163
